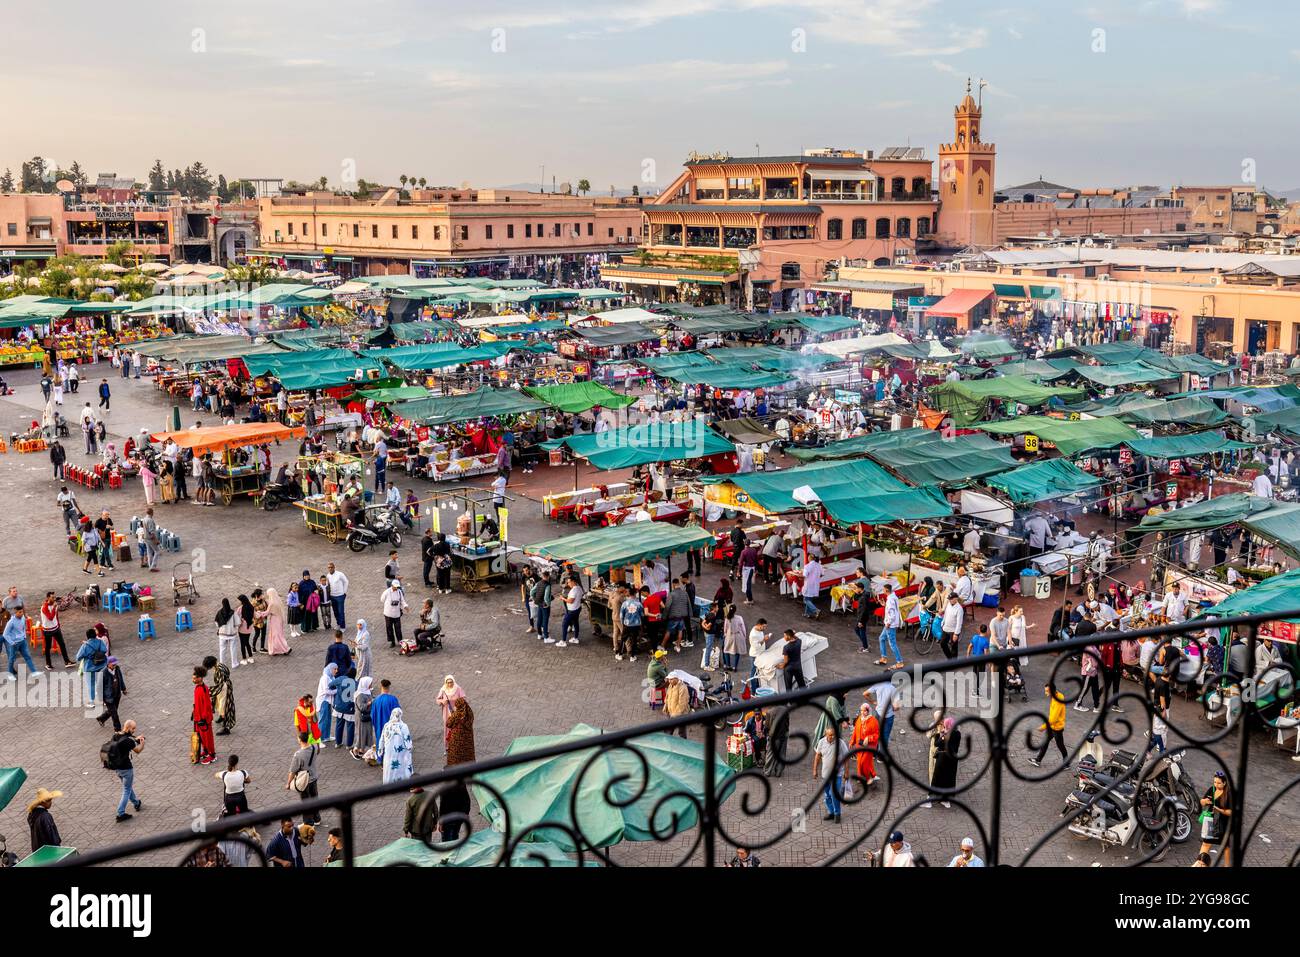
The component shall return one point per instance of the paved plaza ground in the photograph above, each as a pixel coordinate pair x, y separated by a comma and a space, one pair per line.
517, 686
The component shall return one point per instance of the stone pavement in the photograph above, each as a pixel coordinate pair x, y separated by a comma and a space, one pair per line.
517, 685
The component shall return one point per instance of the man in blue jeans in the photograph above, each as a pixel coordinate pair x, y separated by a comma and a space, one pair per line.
828, 759
889, 633
121, 748
15, 641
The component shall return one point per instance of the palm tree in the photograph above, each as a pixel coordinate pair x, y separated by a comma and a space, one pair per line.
423, 182
402, 179
584, 186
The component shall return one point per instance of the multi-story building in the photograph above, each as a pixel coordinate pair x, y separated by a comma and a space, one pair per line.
448, 232
756, 231
30, 228
1221, 209
1041, 210
90, 227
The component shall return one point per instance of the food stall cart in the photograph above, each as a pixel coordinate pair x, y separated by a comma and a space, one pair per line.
478, 537
233, 478
608, 553
322, 515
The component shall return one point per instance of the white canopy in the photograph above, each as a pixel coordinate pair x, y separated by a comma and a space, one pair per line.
841, 348
630, 314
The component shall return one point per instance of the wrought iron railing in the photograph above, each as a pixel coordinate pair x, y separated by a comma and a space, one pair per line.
706, 827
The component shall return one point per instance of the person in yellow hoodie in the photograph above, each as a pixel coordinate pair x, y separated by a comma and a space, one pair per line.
1055, 726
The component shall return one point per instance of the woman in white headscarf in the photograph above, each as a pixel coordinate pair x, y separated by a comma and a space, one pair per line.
361, 650
276, 643
363, 699
394, 749
325, 701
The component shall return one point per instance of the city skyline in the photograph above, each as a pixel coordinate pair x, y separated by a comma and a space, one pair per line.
619, 93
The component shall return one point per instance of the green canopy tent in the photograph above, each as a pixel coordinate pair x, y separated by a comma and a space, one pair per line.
1189, 411
1285, 421
988, 347
1040, 481
643, 444
648, 790
481, 404
1264, 398
731, 377
1278, 595
861, 445
401, 393
11, 782
677, 362
1117, 353
968, 402
623, 334
1070, 436
1186, 446
708, 325
937, 460
824, 325
1121, 374
577, 397
481, 849
420, 331
925, 350
1193, 363
773, 492
1278, 522
772, 358
617, 546
1040, 370
883, 507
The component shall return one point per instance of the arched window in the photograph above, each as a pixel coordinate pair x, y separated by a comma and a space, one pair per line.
859, 229
923, 227
834, 229
952, 187
904, 227
979, 188
882, 227
882, 261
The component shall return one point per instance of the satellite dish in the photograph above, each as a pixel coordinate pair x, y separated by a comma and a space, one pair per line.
1089, 242
65, 186
566, 188
1146, 232
1056, 234
1269, 230
1042, 235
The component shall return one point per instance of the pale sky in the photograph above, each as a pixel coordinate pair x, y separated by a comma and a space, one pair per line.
1110, 92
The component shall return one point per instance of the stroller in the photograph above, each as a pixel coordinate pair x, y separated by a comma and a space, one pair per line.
183, 584
1013, 681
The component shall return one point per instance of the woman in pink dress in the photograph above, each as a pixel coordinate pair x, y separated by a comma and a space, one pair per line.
276, 644
148, 477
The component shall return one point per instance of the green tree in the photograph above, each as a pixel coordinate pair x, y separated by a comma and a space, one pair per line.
197, 181
135, 286
423, 182
402, 179
32, 175
157, 176
323, 183
636, 191
223, 189
77, 175
7, 182
118, 253
584, 186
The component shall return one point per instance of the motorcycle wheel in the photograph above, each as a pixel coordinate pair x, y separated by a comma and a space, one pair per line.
1182, 827
355, 543
396, 539
1149, 841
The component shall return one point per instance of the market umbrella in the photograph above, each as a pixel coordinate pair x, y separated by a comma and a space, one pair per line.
11, 781
540, 792
482, 849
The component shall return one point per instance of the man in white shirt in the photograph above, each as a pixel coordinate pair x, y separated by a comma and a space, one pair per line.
1036, 531
964, 587
572, 612
1175, 605
970, 543
898, 853
966, 856
829, 755
954, 616
812, 586
338, 585
499, 494
1262, 485
393, 601
889, 633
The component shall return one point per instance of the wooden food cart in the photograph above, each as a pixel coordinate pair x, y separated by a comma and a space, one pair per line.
232, 479
323, 516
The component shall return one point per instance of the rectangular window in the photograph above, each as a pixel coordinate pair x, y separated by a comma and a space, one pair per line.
510, 230
13, 229
305, 233
464, 232
611, 232
577, 229
356, 231
394, 230
291, 229
590, 227
322, 230
541, 230
528, 230
437, 233
487, 232
555, 230
374, 230
415, 232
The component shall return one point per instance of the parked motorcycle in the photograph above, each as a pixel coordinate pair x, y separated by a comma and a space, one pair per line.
378, 526
275, 495
1121, 807
718, 697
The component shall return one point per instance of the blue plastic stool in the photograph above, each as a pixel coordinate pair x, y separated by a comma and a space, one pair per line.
146, 628
184, 622
121, 602
106, 602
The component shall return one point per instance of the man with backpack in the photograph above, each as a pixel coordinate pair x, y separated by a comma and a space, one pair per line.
303, 775
116, 756
93, 654
152, 540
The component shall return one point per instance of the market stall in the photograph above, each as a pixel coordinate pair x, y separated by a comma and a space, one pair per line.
232, 476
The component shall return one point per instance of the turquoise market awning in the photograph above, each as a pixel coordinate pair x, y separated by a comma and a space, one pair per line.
881, 508
620, 545
1040, 481
643, 444
481, 404
1186, 446
774, 491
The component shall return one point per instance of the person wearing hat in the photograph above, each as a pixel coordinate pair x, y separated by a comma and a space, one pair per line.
966, 856
41, 821
394, 603
898, 852
656, 673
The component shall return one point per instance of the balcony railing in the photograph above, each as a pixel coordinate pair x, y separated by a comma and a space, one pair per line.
726, 805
